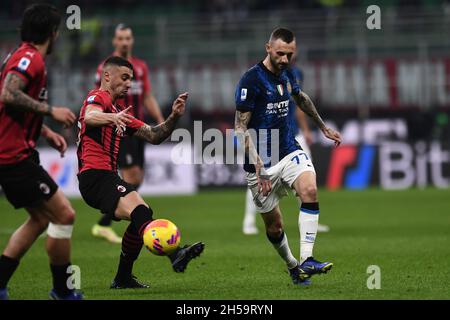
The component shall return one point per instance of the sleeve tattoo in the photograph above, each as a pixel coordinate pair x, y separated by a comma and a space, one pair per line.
240, 127
12, 94
305, 103
159, 133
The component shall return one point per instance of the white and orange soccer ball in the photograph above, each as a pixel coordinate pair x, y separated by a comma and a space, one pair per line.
161, 237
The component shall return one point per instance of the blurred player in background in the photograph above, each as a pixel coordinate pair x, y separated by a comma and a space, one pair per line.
305, 139
263, 102
131, 153
103, 122
23, 105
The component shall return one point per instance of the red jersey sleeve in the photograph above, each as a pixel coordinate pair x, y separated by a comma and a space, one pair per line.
28, 67
133, 126
96, 100
146, 79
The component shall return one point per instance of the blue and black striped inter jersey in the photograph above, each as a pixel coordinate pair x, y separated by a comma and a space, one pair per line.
268, 97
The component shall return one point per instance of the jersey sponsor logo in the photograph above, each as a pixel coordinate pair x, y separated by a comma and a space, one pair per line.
281, 108
91, 99
280, 89
24, 64
243, 94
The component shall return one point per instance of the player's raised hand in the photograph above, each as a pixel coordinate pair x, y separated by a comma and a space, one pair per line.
121, 119
332, 135
63, 115
57, 141
179, 105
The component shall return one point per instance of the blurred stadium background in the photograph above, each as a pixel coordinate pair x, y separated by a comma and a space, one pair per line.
387, 90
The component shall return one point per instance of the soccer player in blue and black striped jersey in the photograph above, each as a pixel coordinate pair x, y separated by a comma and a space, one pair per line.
274, 159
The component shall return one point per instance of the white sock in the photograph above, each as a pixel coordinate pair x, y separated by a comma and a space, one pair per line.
308, 220
282, 247
250, 210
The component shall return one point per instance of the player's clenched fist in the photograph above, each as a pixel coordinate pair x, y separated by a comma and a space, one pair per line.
179, 105
63, 115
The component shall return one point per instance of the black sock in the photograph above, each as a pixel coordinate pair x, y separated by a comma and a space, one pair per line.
7, 267
105, 220
140, 218
131, 247
311, 207
60, 277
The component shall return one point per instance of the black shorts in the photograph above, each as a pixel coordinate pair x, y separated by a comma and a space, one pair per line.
102, 190
26, 184
131, 152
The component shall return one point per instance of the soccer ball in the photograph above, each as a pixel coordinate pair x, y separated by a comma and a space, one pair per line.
161, 237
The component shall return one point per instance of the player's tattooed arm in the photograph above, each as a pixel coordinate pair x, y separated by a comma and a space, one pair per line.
159, 133
305, 103
12, 94
241, 121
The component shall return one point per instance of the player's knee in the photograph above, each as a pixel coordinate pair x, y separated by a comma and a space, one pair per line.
67, 216
309, 193
275, 229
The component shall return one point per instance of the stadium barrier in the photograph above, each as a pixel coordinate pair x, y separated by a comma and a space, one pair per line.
162, 176
389, 165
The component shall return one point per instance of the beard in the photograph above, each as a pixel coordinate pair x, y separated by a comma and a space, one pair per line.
124, 52
276, 65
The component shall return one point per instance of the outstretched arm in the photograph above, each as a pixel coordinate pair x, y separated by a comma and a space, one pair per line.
95, 117
159, 133
304, 102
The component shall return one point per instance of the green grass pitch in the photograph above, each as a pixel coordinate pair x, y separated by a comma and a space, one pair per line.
405, 233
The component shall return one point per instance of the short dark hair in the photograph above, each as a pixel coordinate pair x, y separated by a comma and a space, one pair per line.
282, 33
122, 26
39, 22
117, 61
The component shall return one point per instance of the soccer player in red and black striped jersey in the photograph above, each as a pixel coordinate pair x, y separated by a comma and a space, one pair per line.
131, 152
23, 105
103, 122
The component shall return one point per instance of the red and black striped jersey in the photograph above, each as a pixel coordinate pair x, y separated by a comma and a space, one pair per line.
98, 147
140, 86
19, 130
